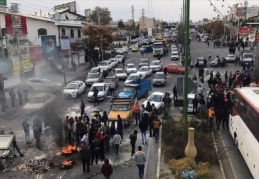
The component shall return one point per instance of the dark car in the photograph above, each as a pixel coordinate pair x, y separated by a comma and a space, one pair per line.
146, 49
200, 62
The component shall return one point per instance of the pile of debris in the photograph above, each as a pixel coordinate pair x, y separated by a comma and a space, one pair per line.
34, 166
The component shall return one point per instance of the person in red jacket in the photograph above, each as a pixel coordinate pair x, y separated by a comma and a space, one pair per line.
107, 169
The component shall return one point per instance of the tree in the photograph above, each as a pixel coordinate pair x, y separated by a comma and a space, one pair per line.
97, 36
121, 24
104, 16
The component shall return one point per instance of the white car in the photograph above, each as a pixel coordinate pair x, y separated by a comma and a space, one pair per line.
40, 102
130, 68
156, 98
231, 58
174, 55
103, 90
145, 71
74, 89
93, 78
119, 58
174, 48
43, 84
105, 65
95, 70
132, 77
114, 61
156, 65
120, 73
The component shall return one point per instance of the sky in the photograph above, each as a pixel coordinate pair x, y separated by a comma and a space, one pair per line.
167, 10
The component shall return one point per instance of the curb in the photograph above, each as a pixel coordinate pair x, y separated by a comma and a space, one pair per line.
159, 152
220, 162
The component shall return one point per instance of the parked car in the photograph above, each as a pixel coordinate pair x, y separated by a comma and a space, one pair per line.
145, 71
39, 103
144, 62
93, 78
109, 79
159, 79
247, 58
133, 77
156, 98
103, 90
130, 68
74, 89
120, 73
214, 63
174, 68
200, 62
230, 58
156, 65
174, 55
43, 85
119, 58
105, 65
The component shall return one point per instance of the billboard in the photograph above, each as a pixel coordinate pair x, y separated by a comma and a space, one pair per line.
64, 42
241, 12
15, 24
252, 11
71, 6
3, 2
35, 52
245, 30
76, 47
49, 46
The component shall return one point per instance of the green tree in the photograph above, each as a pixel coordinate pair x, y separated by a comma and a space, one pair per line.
121, 24
104, 16
97, 36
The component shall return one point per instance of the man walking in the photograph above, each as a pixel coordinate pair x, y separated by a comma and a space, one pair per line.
133, 139
211, 116
107, 169
195, 104
19, 94
85, 154
156, 126
95, 95
140, 160
26, 129
15, 146
143, 126
117, 141
137, 112
82, 107
12, 96
175, 92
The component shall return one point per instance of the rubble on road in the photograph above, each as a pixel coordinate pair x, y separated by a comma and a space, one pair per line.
34, 166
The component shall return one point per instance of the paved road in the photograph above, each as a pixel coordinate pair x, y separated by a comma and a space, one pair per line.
124, 165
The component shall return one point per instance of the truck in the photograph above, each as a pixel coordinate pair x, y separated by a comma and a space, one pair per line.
158, 47
123, 107
138, 88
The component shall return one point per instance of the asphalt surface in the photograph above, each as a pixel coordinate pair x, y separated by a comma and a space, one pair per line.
124, 166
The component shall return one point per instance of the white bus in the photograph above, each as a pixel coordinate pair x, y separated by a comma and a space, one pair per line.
244, 126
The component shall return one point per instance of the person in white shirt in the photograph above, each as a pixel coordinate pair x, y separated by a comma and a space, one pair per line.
85, 138
74, 129
117, 141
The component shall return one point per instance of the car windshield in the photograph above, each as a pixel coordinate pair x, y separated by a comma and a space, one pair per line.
143, 69
128, 89
155, 63
94, 70
120, 107
174, 53
108, 80
103, 64
247, 55
200, 60
159, 76
157, 46
36, 100
231, 56
119, 71
71, 86
131, 66
155, 98
93, 75
99, 88
144, 61
118, 56
132, 77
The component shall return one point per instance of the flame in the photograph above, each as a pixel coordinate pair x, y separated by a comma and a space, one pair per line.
67, 162
69, 149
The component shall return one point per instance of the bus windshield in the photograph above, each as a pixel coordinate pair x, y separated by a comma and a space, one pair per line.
157, 46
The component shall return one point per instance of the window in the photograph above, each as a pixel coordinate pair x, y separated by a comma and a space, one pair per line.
79, 33
63, 32
42, 32
72, 33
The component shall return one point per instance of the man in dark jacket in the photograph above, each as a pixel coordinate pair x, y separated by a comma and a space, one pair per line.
95, 95
12, 96
107, 169
133, 139
85, 154
143, 126
82, 107
19, 94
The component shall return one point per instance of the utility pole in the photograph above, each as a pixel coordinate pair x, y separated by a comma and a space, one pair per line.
132, 12
142, 19
186, 57
99, 21
1, 41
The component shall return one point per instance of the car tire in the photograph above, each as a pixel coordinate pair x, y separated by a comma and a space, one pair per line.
84, 90
77, 94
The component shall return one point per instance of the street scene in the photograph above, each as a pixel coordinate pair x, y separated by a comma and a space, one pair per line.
89, 101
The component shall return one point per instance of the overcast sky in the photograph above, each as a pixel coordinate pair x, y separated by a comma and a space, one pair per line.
168, 10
